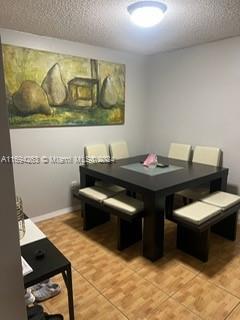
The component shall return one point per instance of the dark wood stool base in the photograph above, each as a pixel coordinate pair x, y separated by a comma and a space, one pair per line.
128, 232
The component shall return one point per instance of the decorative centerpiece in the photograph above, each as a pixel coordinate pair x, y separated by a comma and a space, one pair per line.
151, 161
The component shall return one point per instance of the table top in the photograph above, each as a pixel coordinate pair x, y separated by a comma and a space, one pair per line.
190, 175
51, 264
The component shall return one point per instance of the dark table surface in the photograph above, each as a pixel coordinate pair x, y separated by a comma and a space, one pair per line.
191, 175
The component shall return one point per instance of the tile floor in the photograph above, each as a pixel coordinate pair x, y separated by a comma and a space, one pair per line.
109, 284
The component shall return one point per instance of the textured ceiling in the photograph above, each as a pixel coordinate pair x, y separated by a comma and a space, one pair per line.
106, 22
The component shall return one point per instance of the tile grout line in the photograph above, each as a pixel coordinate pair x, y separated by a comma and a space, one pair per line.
237, 305
100, 293
223, 288
187, 308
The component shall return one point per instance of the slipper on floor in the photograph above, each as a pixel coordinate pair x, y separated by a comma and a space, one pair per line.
29, 297
46, 291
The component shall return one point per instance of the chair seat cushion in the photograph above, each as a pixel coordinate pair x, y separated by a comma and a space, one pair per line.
197, 212
194, 194
109, 186
96, 193
222, 199
125, 204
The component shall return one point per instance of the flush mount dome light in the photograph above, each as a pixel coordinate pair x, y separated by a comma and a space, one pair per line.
146, 13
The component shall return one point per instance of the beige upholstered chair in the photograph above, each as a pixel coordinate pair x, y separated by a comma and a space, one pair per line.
100, 152
180, 151
207, 155
204, 155
96, 151
118, 150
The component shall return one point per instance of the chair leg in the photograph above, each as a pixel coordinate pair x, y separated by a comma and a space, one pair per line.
93, 217
227, 228
193, 242
128, 232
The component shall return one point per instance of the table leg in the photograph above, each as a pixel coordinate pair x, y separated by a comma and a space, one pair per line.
67, 276
153, 232
219, 184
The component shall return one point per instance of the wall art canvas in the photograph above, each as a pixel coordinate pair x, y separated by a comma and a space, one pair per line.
46, 89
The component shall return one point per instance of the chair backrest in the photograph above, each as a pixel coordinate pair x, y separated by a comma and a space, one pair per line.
119, 150
96, 151
207, 155
180, 151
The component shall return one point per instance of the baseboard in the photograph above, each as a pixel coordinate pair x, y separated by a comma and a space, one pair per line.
55, 213
68, 210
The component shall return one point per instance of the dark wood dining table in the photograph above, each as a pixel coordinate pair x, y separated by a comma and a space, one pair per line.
157, 189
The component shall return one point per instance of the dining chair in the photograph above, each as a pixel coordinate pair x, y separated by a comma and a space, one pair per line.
118, 150
207, 155
180, 151
204, 155
96, 151
100, 152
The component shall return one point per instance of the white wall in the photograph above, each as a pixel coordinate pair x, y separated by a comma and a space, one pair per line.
46, 188
194, 97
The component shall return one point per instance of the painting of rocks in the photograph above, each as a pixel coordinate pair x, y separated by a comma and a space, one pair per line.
47, 89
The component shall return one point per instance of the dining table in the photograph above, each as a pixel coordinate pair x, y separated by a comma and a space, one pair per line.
156, 186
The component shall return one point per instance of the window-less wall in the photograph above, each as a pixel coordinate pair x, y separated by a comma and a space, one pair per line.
194, 97
12, 306
46, 188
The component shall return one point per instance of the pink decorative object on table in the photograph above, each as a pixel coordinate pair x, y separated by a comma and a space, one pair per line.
151, 161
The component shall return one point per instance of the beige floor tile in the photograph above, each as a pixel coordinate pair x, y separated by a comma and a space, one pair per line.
235, 315
224, 274
172, 310
88, 302
135, 297
193, 264
167, 274
206, 300
102, 270
224, 249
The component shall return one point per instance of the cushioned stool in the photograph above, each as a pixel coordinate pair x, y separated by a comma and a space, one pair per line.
193, 228
229, 204
222, 199
96, 193
129, 206
92, 199
110, 187
129, 212
216, 212
197, 212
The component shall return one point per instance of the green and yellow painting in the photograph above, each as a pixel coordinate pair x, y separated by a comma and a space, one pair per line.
46, 89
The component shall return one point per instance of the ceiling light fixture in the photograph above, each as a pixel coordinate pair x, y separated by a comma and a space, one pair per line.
146, 13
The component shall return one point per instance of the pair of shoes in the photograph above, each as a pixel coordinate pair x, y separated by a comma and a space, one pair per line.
29, 297
45, 290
